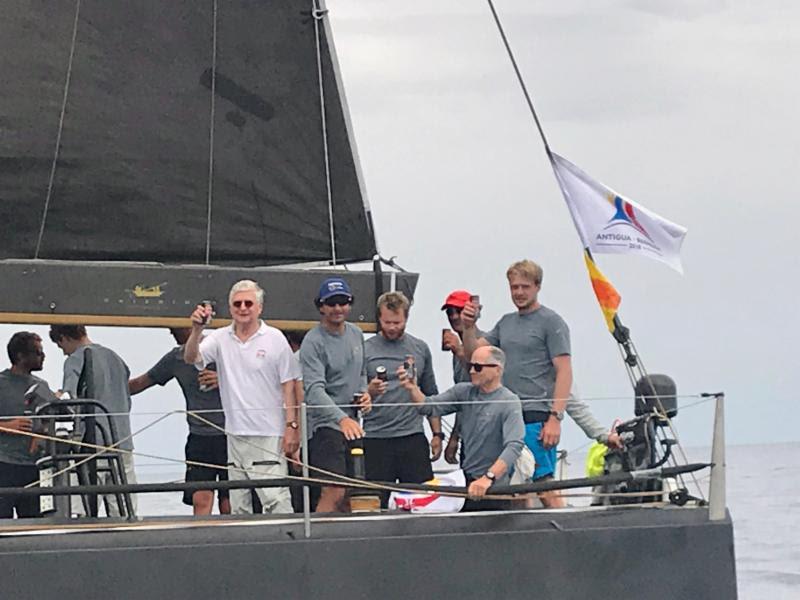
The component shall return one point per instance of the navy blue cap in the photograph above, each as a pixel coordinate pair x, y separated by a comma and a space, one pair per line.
334, 286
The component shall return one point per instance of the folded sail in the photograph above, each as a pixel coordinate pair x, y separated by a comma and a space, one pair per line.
142, 152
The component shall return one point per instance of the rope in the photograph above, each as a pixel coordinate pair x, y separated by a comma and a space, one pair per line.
211, 130
318, 14
519, 75
60, 130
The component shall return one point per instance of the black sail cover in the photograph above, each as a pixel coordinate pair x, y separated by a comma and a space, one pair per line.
141, 149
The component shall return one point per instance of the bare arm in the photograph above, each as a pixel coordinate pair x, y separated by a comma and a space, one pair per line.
551, 430
140, 384
291, 436
191, 352
470, 334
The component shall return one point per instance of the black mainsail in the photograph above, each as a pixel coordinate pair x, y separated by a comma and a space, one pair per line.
174, 133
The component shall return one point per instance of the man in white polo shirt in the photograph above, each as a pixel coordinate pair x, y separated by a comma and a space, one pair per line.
256, 384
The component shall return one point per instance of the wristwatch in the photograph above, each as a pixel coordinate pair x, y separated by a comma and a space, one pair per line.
490, 476
292, 425
439, 434
559, 415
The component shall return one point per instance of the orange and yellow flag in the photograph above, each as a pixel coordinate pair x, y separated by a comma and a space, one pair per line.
607, 296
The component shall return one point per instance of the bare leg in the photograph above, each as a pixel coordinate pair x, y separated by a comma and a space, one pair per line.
333, 499
202, 502
224, 506
552, 499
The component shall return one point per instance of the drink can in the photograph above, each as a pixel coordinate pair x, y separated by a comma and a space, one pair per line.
380, 373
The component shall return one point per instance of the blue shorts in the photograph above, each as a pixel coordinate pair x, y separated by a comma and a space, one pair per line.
545, 459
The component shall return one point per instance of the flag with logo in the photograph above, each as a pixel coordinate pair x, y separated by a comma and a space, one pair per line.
612, 224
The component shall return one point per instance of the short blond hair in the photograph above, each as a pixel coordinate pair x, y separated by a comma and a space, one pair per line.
527, 269
394, 301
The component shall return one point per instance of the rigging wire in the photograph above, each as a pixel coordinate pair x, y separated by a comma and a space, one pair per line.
211, 129
52, 178
318, 14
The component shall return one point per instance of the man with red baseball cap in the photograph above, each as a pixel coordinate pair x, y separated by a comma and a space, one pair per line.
452, 341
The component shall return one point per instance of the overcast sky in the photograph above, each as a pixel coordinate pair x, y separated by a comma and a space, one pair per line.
687, 107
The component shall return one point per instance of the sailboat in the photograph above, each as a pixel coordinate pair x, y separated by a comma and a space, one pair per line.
152, 155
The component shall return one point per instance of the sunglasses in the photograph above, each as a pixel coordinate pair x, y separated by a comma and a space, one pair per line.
452, 311
238, 303
479, 366
337, 301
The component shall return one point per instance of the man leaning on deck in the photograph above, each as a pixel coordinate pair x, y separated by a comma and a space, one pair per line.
492, 429
256, 384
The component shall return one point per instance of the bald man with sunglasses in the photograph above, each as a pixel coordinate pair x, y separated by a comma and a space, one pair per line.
492, 428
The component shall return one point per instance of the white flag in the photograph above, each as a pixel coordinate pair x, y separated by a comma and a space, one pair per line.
612, 224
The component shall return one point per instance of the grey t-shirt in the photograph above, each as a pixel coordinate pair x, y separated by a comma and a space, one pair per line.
109, 381
397, 421
491, 425
15, 448
333, 370
172, 366
531, 341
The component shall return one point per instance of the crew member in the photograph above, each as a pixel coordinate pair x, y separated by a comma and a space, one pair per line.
395, 446
452, 341
332, 358
206, 442
17, 451
108, 384
491, 423
256, 385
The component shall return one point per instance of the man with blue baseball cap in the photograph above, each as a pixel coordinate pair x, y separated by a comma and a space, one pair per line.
332, 359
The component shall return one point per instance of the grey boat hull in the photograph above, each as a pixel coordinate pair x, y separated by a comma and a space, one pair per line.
613, 553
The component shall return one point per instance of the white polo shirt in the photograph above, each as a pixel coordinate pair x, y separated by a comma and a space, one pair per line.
250, 378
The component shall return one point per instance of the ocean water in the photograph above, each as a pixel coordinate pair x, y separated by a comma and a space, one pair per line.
763, 493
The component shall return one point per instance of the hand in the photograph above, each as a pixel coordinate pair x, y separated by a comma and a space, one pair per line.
21, 424
550, 433
452, 342
376, 387
406, 382
365, 403
479, 487
201, 316
469, 315
291, 441
436, 448
351, 429
208, 378
451, 451
614, 441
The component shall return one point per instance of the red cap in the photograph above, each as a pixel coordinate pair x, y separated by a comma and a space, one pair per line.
457, 299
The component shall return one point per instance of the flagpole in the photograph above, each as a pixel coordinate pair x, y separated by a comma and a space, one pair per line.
519, 76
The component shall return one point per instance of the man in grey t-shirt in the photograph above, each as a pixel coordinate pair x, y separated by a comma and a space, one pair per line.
18, 452
207, 442
491, 423
395, 447
332, 360
108, 382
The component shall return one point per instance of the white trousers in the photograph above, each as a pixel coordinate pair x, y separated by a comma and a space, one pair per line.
257, 457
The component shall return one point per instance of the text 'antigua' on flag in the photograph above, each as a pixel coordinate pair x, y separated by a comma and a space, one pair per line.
608, 223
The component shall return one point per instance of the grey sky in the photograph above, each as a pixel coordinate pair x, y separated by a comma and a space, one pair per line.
688, 108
